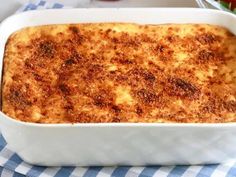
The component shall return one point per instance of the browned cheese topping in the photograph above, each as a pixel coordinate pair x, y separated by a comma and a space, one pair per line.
120, 72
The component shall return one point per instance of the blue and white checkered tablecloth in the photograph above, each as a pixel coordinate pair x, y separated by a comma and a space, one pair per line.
12, 165
41, 4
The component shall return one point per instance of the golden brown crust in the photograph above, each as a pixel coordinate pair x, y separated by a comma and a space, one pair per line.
114, 72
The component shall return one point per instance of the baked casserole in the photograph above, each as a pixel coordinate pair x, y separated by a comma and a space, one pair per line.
120, 72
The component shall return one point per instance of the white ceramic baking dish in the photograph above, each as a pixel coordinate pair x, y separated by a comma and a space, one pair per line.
118, 143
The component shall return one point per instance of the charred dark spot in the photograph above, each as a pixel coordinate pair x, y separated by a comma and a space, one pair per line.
230, 106
15, 93
16, 77
160, 48
69, 62
64, 88
99, 101
37, 77
94, 72
182, 88
28, 64
47, 49
135, 73
69, 107
213, 105
115, 40
73, 59
126, 61
76, 36
148, 76
60, 33
126, 40
103, 98
79, 39
139, 75
207, 38
229, 34
112, 72
121, 60
115, 47
121, 78
18, 98
163, 51
74, 29
146, 96
202, 29
146, 38
115, 109
205, 55
19, 47
69, 110
81, 117
47, 89
129, 41
116, 119
139, 110
184, 85
76, 57
171, 38
108, 31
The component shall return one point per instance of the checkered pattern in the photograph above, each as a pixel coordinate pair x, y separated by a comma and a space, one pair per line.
40, 5
12, 165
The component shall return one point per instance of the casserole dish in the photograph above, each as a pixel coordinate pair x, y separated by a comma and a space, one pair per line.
118, 143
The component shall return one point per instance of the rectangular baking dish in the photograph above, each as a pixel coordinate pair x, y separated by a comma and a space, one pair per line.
118, 143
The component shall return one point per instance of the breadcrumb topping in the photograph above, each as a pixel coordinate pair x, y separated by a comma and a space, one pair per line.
120, 72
